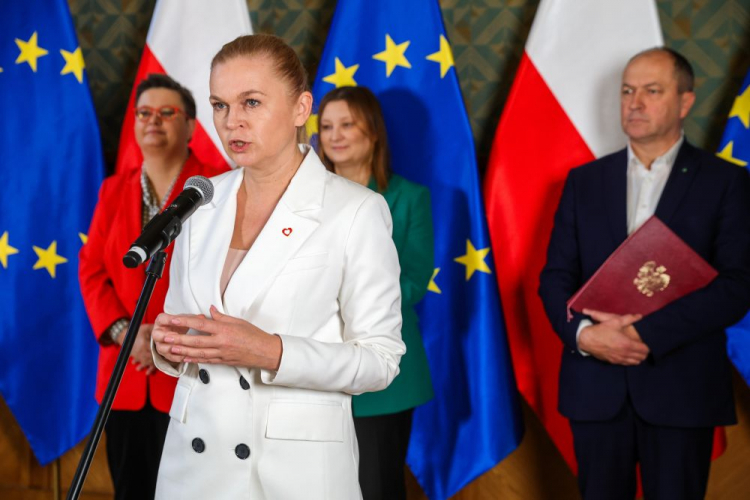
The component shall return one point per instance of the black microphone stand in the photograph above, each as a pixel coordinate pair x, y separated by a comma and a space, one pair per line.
153, 273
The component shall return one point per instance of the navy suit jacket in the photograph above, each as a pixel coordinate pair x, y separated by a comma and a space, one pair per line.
686, 379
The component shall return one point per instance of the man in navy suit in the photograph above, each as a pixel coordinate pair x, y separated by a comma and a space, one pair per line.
649, 390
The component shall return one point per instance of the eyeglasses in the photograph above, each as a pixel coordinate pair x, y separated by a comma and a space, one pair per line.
166, 113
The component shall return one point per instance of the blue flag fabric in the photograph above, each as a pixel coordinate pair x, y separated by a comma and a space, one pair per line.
51, 167
735, 147
400, 51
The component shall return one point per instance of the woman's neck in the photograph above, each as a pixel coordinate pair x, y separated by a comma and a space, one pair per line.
268, 182
162, 170
359, 172
260, 192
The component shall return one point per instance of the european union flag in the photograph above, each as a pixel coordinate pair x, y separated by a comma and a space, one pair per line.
50, 170
399, 50
735, 147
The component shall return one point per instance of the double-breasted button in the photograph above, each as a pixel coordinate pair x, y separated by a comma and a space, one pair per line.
242, 451
203, 374
199, 446
243, 383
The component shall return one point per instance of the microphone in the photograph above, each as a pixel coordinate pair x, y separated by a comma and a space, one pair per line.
166, 226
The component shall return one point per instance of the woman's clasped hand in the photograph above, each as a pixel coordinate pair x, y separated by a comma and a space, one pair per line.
220, 339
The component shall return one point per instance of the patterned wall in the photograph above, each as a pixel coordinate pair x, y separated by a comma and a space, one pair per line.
487, 38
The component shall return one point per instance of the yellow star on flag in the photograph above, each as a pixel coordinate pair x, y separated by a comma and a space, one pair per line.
727, 154
30, 51
444, 56
474, 260
84, 238
6, 250
48, 259
343, 76
393, 55
73, 63
741, 107
311, 125
432, 286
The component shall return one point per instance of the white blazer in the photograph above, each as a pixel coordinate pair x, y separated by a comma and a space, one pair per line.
324, 275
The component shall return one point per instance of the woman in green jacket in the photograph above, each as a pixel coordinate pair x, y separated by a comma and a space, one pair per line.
354, 145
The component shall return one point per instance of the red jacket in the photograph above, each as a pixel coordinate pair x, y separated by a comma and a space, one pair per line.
110, 290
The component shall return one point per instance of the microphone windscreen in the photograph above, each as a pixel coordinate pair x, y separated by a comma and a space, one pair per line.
204, 186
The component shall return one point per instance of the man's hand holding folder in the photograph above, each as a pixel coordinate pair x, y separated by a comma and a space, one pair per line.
652, 268
613, 338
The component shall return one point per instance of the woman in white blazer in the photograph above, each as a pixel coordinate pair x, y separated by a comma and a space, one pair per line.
284, 301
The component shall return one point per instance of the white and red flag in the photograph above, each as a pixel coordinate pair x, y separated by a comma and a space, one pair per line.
562, 111
182, 40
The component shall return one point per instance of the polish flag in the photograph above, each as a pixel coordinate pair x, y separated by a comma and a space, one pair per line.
563, 110
182, 40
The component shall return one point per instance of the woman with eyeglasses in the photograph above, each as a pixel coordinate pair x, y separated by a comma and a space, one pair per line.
137, 425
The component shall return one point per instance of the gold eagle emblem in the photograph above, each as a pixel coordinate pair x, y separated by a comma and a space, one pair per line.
651, 279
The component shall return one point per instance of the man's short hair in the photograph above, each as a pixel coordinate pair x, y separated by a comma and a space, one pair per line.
683, 70
161, 81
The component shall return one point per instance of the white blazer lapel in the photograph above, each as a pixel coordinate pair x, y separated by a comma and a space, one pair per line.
292, 222
211, 230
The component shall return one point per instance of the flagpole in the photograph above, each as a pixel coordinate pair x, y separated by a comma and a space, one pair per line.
153, 273
56, 479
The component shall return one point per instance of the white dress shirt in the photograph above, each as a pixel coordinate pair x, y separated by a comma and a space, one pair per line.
645, 187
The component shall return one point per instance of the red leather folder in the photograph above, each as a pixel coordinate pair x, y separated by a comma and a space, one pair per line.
651, 268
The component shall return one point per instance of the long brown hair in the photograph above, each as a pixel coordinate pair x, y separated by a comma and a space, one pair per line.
286, 63
365, 109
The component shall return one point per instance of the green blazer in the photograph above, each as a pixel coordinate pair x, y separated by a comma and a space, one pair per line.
412, 234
